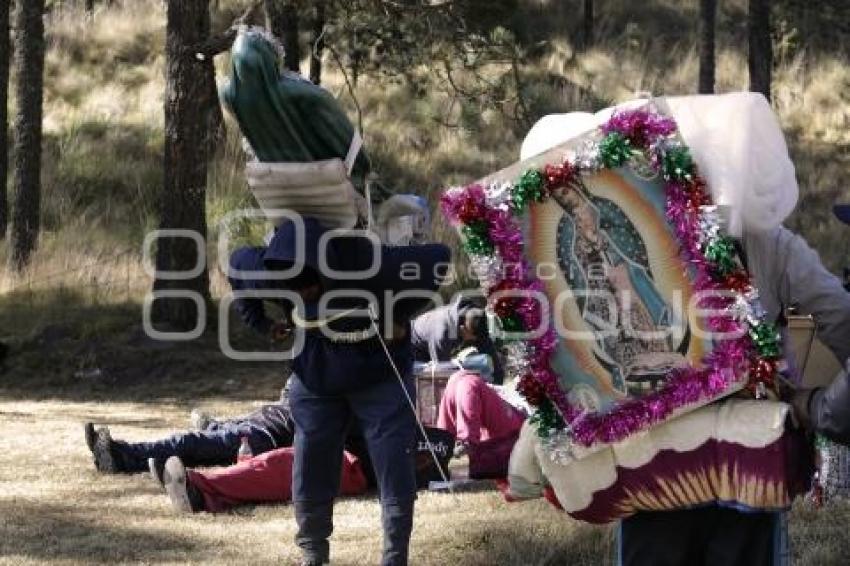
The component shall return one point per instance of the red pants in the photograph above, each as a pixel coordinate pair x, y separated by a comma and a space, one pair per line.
266, 478
472, 411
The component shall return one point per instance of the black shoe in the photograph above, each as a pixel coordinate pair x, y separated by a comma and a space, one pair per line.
156, 466
105, 459
185, 497
91, 436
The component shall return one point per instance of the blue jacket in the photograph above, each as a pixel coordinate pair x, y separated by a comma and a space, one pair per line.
325, 366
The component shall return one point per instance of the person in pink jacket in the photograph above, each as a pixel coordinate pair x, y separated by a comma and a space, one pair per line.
482, 418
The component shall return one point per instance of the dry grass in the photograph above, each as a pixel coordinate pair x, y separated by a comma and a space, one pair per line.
55, 509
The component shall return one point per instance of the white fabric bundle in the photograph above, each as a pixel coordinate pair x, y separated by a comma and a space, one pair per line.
323, 190
735, 139
320, 189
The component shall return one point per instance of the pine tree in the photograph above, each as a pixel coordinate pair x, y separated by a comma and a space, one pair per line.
5, 57
761, 49
317, 43
282, 19
707, 16
29, 65
188, 102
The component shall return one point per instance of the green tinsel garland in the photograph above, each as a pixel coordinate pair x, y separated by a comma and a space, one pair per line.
476, 238
721, 252
529, 188
546, 418
766, 338
614, 150
512, 323
678, 164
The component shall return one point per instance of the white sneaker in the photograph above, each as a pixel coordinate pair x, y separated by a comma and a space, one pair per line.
156, 467
199, 420
174, 479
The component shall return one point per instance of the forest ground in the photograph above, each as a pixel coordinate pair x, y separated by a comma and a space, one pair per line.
56, 509
72, 323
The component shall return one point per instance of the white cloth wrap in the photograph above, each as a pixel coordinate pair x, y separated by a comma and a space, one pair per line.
735, 139
320, 189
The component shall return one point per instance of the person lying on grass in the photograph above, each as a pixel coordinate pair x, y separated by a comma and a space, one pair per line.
215, 443
266, 478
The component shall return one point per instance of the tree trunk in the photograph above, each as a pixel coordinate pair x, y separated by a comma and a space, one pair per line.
707, 15
5, 58
317, 43
188, 101
588, 24
29, 60
216, 130
282, 19
761, 49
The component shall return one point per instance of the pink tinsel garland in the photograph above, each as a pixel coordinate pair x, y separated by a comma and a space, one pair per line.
729, 358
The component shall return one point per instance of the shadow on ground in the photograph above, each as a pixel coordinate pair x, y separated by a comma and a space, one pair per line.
54, 532
62, 346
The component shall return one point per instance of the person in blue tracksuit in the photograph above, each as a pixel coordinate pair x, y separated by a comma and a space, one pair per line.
342, 375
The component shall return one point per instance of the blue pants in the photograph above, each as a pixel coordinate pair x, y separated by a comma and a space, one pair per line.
214, 446
388, 424
704, 535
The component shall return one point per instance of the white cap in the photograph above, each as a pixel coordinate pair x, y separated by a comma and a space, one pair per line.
553, 130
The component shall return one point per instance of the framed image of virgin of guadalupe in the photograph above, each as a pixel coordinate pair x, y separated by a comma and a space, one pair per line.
618, 288
622, 301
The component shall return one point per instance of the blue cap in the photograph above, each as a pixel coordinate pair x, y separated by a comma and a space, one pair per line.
842, 212
482, 364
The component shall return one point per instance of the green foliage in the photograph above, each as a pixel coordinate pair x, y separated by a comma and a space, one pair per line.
464, 48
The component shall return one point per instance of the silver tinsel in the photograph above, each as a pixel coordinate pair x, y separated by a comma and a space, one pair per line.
487, 269
642, 166
587, 156
517, 358
739, 310
498, 194
558, 446
747, 308
709, 225
756, 314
